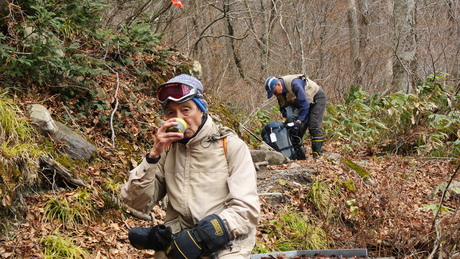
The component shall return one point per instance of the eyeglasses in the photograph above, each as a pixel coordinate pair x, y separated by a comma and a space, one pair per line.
175, 92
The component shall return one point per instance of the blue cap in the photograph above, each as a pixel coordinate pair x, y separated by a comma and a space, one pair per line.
270, 84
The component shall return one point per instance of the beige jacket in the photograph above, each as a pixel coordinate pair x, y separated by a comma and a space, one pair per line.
311, 89
200, 179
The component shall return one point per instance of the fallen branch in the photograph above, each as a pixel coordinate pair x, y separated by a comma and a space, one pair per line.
443, 196
61, 170
116, 106
438, 240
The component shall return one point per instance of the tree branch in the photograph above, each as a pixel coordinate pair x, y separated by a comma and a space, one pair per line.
443, 196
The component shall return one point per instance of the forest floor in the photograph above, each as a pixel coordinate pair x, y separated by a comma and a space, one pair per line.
388, 215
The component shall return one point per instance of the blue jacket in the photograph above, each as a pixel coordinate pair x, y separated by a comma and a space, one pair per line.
298, 88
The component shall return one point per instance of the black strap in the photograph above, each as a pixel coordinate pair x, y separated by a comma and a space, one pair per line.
206, 241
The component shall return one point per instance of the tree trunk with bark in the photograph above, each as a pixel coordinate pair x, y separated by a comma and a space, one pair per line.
405, 45
357, 23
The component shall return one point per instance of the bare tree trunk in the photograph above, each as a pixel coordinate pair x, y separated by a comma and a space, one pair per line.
454, 29
357, 22
354, 40
405, 45
388, 49
363, 38
231, 38
363, 24
267, 10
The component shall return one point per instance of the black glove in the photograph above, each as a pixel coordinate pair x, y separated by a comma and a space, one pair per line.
204, 239
156, 238
294, 128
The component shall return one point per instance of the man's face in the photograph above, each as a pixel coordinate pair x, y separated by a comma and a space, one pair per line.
189, 112
278, 90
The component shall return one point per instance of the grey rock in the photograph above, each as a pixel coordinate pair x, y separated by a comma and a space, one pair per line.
41, 118
332, 156
76, 147
272, 157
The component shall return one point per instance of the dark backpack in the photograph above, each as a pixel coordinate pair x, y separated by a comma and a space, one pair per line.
276, 135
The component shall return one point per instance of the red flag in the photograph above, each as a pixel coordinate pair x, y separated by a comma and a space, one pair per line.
177, 3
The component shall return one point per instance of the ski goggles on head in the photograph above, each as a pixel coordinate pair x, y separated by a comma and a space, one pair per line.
175, 92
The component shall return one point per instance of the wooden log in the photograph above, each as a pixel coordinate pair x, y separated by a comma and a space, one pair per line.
61, 170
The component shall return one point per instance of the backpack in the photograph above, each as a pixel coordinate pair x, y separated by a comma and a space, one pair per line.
276, 135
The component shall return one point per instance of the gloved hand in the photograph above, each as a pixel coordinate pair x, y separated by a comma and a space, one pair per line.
204, 239
156, 238
294, 128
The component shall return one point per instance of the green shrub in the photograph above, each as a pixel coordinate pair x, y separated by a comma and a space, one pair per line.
52, 46
57, 246
44, 50
291, 230
428, 120
71, 210
19, 155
